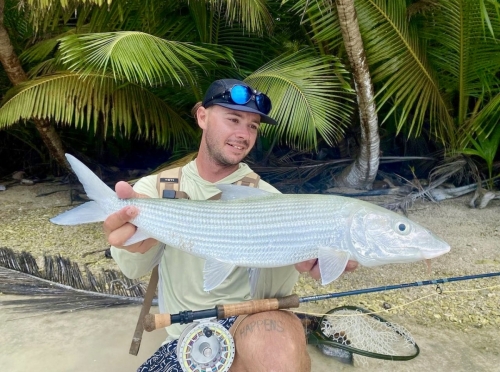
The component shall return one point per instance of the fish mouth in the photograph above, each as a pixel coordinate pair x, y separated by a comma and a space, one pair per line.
444, 248
435, 247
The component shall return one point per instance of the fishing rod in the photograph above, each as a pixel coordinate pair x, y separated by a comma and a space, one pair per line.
155, 321
206, 345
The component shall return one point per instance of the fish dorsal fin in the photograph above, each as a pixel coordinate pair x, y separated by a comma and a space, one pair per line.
215, 272
332, 263
233, 192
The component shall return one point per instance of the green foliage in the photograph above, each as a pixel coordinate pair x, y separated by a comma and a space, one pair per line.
102, 69
486, 142
467, 63
309, 97
137, 57
94, 101
486, 15
485, 148
435, 68
432, 64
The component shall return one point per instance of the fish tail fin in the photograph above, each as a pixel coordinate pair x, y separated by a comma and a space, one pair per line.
86, 213
95, 189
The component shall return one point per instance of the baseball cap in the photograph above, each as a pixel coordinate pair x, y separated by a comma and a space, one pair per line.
238, 95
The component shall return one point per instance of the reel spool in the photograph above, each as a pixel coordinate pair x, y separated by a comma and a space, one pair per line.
205, 346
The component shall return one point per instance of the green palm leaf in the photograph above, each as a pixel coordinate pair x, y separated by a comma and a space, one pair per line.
93, 101
400, 69
253, 15
467, 61
308, 98
43, 5
137, 57
486, 15
321, 15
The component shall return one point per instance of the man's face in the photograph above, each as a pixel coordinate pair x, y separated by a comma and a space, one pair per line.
228, 135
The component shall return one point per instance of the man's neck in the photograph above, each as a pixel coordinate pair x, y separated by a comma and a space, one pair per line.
212, 171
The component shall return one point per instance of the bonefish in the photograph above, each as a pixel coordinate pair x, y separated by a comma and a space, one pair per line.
253, 228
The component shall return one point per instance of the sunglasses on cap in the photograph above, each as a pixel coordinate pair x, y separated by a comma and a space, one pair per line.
242, 94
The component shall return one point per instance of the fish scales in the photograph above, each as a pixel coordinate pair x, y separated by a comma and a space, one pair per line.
263, 235
253, 228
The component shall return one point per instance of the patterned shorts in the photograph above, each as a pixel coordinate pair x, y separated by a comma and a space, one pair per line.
165, 358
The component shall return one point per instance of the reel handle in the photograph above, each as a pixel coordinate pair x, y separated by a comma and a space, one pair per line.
155, 321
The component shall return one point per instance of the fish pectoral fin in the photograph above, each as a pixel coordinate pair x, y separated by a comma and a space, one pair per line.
253, 277
215, 272
139, 236
332, 263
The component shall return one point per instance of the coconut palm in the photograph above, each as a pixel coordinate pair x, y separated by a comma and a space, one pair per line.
362, 172
425, 58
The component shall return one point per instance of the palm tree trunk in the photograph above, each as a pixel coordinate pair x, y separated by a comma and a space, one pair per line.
16, 75
363, 171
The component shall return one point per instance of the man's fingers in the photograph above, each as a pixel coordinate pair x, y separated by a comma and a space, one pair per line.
116, 220
125, 191
117, 226
351, 265
312, 267
305, 266
119, 236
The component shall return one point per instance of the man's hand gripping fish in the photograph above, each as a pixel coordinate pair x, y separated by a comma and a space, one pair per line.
252, 228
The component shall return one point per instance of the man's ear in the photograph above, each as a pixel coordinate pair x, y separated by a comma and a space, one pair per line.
201, 117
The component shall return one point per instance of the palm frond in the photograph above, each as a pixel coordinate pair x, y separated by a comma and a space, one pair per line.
92, 101
47, 67
253, 15
137, 56
43, 5
43, 49
44, 15
153, 17
308, 98
489, 117
466, 61
61, 286
486, 16
250, 52
398, 64
249, 49
322, 17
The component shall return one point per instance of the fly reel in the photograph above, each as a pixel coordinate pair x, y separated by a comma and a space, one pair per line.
205, 346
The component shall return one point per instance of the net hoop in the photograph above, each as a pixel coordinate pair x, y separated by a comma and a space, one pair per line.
317, 337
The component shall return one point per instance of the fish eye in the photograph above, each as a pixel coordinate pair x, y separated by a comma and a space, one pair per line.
402, 227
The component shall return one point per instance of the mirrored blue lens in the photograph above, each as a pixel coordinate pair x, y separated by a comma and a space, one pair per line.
240, 94
263, 103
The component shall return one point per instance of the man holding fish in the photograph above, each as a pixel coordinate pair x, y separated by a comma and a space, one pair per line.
250, 244
230, 116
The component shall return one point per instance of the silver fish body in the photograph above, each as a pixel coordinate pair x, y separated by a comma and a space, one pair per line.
271, 230
279, 230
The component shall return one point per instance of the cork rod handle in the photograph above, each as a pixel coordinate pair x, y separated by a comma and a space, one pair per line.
155, 321
257, 306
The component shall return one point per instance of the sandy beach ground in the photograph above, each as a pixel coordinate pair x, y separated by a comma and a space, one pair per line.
458, 330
